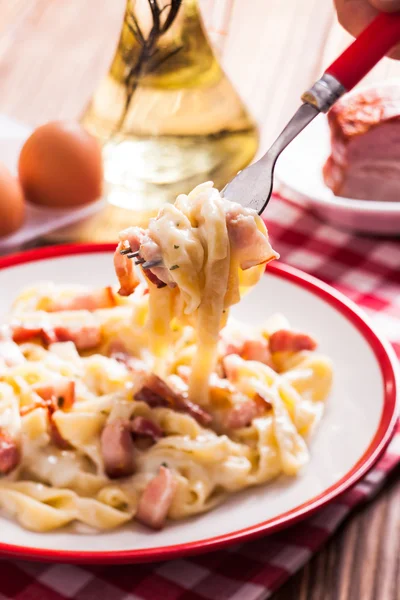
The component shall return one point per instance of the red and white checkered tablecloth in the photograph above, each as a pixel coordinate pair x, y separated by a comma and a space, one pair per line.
368, 271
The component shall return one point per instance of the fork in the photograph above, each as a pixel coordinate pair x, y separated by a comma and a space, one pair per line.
252, 187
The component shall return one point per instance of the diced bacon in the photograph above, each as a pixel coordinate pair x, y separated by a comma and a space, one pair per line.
153, 278
256, 350
117, 449
250, 244
9, 453
145, 394
249, 350
156, 499
60, 392
84, 338
56, 437
21, 334
232, 348
103, 298
57, 395
125, 272
145, 427
286, 340
185, 405
156, 392
242, 414
10, 353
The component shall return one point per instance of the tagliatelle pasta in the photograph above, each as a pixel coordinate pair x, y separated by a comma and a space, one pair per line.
156, 405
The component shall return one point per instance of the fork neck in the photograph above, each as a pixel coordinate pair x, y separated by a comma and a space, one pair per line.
324, 93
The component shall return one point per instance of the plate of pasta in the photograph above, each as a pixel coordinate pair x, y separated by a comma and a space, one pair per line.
146, 413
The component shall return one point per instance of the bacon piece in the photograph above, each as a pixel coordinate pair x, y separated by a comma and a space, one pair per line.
21, 334
125, 272
145, 427
256, 350
84, 338
117, 449
58, 395
155, 392
9, 453
185, 405
231, 347
56, 436
103, 298
145, 394
286, 340
156, 499
251, 244
153, 278
10, 353
242, 413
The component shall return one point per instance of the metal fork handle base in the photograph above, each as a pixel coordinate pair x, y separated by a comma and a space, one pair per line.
324, 93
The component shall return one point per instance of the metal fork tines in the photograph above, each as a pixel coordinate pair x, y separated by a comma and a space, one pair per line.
129, 251
139, 260
151, 263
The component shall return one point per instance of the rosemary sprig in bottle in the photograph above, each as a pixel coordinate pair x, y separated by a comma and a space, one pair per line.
143, 64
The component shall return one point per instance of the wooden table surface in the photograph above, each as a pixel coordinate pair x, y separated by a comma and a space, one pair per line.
52, 54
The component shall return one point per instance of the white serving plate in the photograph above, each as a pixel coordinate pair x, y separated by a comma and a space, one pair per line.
358, 423
299, 177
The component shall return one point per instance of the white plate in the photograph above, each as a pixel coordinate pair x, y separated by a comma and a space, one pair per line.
299, 177
355, 429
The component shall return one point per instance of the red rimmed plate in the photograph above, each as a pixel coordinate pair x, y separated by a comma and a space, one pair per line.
357, 426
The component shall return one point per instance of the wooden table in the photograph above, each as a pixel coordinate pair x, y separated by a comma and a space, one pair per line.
53, 52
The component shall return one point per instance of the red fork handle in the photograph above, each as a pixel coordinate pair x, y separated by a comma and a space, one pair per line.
368, 49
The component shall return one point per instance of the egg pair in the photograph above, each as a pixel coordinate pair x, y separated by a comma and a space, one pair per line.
60, 166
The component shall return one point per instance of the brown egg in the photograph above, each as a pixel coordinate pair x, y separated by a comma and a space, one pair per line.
12, 205
60, 165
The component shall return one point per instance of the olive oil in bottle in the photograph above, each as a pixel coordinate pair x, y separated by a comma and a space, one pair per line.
166, 114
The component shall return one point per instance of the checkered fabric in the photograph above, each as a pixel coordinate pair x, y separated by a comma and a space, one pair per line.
368, 271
